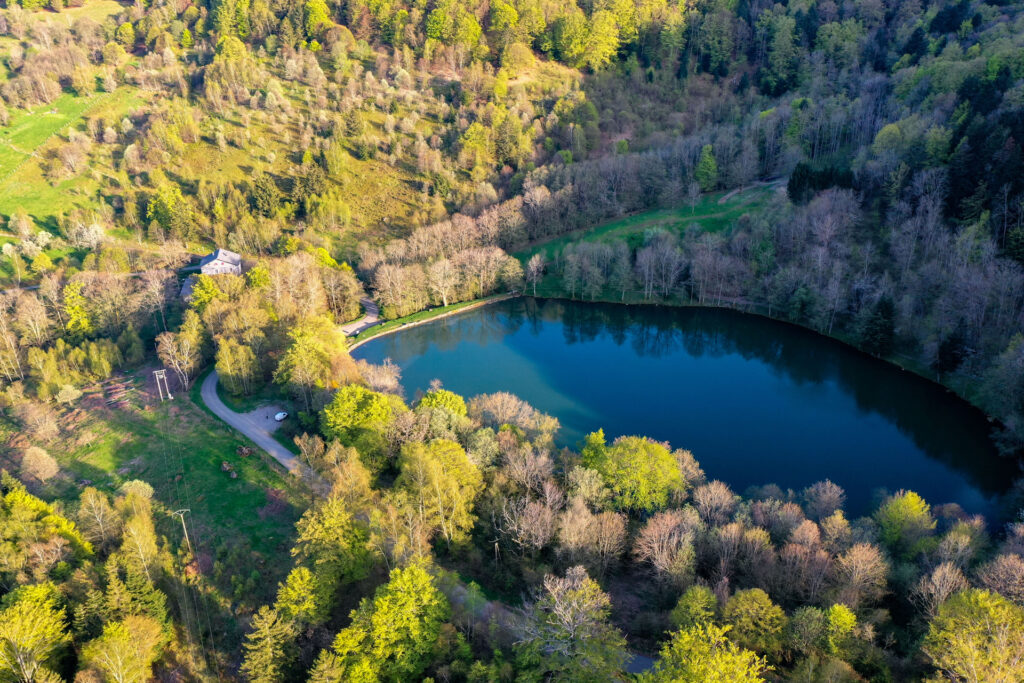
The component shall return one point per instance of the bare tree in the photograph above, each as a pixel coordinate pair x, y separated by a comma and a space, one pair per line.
529, 524
859, 576
935, 588
535, 270
666, 543
715, 502
823, 498
1004, 575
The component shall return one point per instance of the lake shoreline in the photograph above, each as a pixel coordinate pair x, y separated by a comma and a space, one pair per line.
995, 422
429, 319
740, 391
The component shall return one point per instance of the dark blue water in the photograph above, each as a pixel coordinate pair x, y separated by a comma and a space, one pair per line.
757, 401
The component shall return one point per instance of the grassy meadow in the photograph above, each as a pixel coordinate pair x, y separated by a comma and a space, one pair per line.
178, 448
714, 212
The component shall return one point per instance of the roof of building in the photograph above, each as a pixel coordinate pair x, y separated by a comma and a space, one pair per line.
221, 255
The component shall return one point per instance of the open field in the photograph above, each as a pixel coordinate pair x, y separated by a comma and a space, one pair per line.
178, 449
713, 213
24, 144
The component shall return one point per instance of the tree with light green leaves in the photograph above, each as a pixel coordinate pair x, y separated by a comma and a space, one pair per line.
355, 408
204, 291
905, 524
332, 543
237, 366
302, 598
706, 172
977, 636
696, 606
703, 654
442, 398
641, 473
444, 486
757, 622
392, 637
315, 361
269, 647
32, 631
126, 650
316, 15
79, 324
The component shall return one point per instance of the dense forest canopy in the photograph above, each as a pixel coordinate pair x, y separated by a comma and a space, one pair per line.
858, 169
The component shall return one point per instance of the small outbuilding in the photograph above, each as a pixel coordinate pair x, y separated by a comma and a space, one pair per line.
221, 262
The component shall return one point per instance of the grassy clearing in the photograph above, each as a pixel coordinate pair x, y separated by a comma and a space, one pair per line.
97, 10
713, 213
23, 184
420, 317
179, 450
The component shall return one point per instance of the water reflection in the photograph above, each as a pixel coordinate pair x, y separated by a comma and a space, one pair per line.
757, 400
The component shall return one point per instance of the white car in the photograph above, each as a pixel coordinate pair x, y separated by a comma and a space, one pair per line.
280, 417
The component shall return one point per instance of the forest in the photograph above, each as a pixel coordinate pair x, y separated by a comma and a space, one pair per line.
854, 168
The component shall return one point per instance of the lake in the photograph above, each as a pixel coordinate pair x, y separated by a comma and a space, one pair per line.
756, 400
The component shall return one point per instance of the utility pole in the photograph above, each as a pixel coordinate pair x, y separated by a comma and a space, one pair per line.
161, 375
181, 516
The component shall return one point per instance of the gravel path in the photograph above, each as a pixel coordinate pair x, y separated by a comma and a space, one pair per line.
250, 425
371, 318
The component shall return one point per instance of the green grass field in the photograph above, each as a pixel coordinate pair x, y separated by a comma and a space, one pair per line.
713, 213
178, 449
23, 184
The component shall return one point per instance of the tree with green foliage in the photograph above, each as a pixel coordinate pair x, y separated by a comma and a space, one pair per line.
172, 211
32, 631
778, 73
301, 598
315, 361
392, 637
316, 15
264, 196
757, 622
443, 484
126, 34
79, 323
442, 398
977, 636
706, 172
703, 654
355, 408
879, 329
905, 524
127, 649
204, 291
698, 605
269, 647
641, 473
237, 366
332, 542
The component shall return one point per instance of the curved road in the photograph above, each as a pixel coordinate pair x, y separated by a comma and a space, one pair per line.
248, 426
371, 318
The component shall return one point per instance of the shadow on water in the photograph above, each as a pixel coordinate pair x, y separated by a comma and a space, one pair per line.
757, 400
